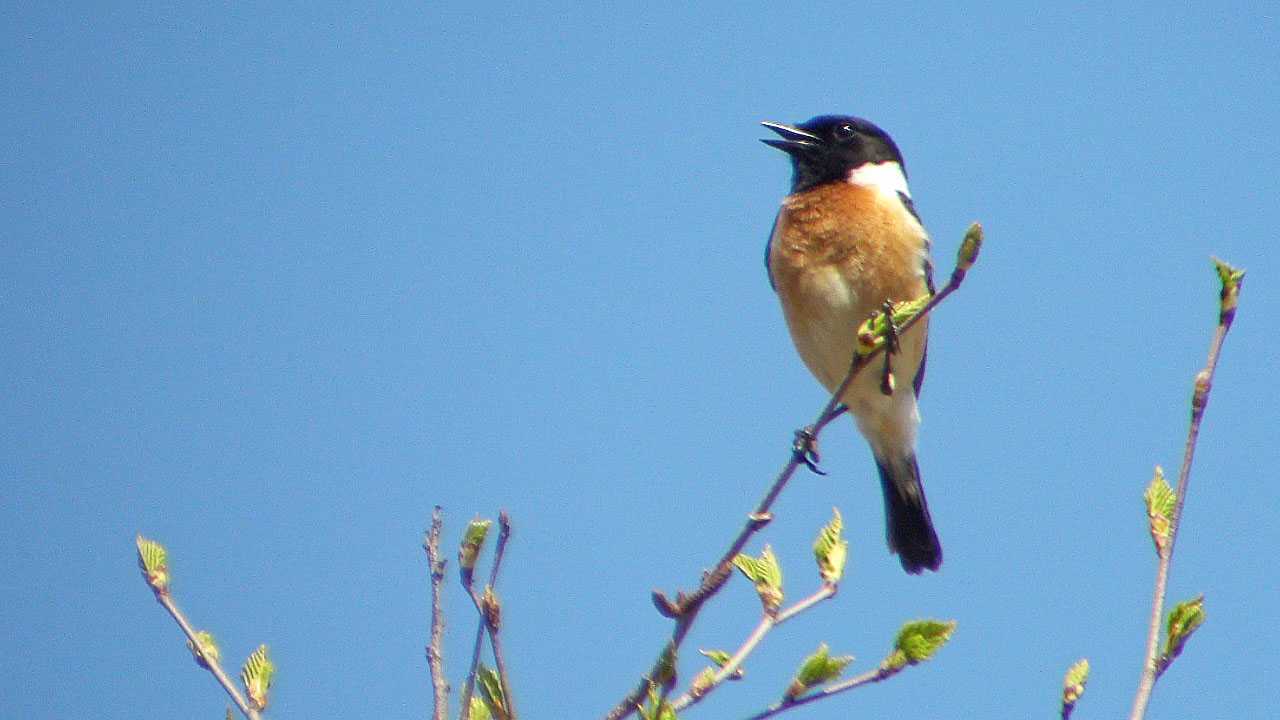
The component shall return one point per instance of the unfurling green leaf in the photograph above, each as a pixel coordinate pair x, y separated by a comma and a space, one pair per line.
719, 657
257, 675
722, 658
918, 641
1161, 500
1073, 685
817, 669
208, 648
766, 574
472, 542
490, 686
655, 708
154, 562
479, 710
1232, 279
831, 550
1184, 619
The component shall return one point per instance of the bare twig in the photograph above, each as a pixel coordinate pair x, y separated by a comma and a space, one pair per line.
211, 663
1231, 282
469, 686
685, 608
866, 678
435, 651
767, 623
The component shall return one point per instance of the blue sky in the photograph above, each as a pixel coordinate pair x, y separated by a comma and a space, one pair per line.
276, 280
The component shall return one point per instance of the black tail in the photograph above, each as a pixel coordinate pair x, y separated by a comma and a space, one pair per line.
906, 514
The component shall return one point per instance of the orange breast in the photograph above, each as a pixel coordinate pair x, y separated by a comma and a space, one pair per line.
868, 238
838, 252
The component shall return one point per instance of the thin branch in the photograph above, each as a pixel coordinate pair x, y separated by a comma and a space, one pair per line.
435, 651
1199, 400
866, 678
209, 662
825, 592
490, 619
767, 624
469, 686
488, 623
684, 610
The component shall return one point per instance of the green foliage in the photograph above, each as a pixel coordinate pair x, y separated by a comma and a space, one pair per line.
722, 658
719, 657
1232, 279
1184, 619
817, 669
208, 648
654, 707
154, 562
479, 711
490, 686
472, 542
1161, 500
831, 550
766, 574
871, 333
917, 642
257, 675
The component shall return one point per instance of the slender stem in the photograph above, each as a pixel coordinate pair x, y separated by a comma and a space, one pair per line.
211, 663
504, 534
825, 592
469, 686
866, 678
435, 651
1151, 668
685, 610
766, 624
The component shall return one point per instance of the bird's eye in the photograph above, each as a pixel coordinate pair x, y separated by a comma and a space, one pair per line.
845, 132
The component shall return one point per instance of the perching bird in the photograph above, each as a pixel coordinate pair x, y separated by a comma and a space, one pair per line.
846, 240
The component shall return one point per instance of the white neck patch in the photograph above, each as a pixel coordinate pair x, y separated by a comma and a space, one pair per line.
886, 177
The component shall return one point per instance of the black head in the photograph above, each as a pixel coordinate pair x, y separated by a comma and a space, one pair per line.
827, 147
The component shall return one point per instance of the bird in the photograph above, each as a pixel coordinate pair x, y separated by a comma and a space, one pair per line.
846, 240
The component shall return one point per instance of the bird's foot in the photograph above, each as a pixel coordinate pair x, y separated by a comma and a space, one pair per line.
805, 450
887, 384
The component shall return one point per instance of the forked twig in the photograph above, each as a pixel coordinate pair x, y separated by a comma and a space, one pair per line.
685, 608
489, 623
1232, 279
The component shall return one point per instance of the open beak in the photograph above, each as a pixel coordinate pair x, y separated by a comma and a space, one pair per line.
794, 140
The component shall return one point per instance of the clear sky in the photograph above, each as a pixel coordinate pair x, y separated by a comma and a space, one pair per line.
275, 280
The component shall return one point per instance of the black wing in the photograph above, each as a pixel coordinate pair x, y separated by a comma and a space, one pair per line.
768, 246
918, 381
928, 264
